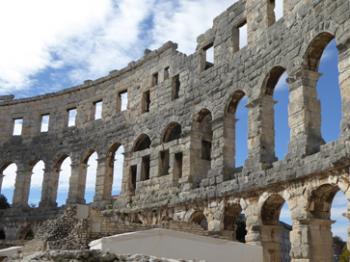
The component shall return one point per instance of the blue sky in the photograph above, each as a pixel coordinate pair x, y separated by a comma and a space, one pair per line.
41, 52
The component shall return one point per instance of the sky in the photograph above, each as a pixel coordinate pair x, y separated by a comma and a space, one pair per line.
50, 45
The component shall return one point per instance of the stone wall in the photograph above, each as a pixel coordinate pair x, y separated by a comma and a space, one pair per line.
179, 140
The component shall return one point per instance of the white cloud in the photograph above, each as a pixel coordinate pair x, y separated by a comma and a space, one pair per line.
282, 82
182, 21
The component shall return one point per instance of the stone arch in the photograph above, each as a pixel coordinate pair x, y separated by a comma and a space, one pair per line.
200, 219
273, 231
142, 142
314, 80
173, 131
89, 174
234, 222
36, 183
115, 170
61, 181
273, 113
8, 176
320, 205
230, 129
201, 144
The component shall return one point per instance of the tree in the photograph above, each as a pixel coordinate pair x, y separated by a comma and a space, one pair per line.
345, 255
3, 202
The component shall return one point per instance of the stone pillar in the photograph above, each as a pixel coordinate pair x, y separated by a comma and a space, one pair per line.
253, 222
300, 241
22, 186
321, 240
271, 242
304, 113
77, 182
261, 138
344, 83
50, 186
104, 179
215, 217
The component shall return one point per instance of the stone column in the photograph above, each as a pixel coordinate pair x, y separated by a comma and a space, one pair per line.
300, 239
215, 217
50, 186
22, 186
321, 240
261, 138
271, 242
304, 113
104, 179
253, 222
77, 182
344, 83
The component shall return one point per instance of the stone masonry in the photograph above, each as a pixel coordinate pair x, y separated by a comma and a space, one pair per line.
178, 133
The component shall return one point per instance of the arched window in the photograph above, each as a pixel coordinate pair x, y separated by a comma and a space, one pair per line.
236, 131
235, 223
91, 173
117, 164
172, 132
275, 115
276, 228
322, 57
8, 181
143, 142
36, 183
201, 140
328, 205
64, 170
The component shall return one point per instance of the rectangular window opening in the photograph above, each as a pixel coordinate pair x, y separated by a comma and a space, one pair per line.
164, 163
155, 79
175, 87
72, 117
178, 165
209, 56
145, 172
17, 127
243, 35
133, 176
206, 150
166, 73
123, 101
45, 121
98, 109
146, 101
278, 9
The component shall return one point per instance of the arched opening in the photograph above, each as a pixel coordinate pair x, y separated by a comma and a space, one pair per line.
25, 233
116, 164
64, 173
275, 115
36, 184
201, 140
322, 60
199, 218
91, 173
8, 181
275, 229
172, 132
234, 223
2, 234
329, 225
142, 142
236, 131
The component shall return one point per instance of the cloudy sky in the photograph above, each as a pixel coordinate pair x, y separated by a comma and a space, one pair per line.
48, 45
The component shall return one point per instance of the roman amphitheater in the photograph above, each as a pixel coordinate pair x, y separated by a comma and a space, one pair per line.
178, 133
